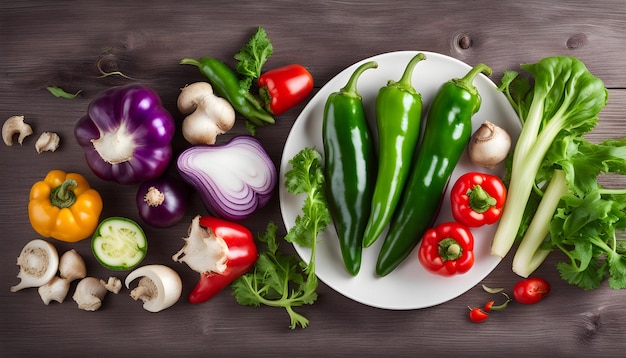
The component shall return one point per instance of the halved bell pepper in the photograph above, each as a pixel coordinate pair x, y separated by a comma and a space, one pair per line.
220, 251
63, 206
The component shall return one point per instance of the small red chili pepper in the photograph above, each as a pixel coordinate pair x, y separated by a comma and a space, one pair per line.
284, 87
489, 306
477, 315
477, 199
447, 249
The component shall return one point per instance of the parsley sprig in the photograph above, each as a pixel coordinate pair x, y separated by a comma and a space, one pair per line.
252, 57
280, 280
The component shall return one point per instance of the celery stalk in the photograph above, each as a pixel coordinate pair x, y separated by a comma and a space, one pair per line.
529, 254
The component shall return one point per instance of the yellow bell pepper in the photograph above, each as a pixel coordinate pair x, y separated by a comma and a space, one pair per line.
63, 206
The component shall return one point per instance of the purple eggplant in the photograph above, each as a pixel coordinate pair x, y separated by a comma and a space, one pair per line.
161, 202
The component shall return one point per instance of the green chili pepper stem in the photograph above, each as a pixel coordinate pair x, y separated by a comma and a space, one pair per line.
63, 195
350, 88
479, 200
467, 81
502, 306
190, 61
405, 82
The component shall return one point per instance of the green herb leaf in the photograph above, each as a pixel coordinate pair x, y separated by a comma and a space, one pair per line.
58, 92
307, 176
253, 56
286, 281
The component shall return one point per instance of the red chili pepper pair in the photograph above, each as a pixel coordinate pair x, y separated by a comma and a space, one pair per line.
478, 314
477, 199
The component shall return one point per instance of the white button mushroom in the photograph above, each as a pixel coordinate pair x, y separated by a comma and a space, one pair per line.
159, 287
90, 292
209, 115
71, 267
489, 145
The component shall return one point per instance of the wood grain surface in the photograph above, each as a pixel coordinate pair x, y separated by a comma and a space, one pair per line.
44, 43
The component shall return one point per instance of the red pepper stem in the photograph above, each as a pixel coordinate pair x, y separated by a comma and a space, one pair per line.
449, 249
479, 199
63, 196
350, 88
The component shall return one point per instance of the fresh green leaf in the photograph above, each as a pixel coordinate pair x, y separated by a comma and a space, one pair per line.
286, 281
59, 92
269, 237
518, 91
253, 56
588, 279
584, 229
307, 177
617, 270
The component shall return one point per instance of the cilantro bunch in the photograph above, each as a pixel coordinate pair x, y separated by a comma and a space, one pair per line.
286, 281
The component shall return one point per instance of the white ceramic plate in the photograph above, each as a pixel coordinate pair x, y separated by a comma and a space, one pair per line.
409, 286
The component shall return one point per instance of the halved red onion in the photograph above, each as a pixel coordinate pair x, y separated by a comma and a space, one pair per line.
234, 179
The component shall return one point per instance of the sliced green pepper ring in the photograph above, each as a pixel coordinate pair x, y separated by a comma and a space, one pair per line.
119, 243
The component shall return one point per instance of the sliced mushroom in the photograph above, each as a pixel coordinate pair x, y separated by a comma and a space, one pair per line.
159, 287
38, 263
15, 125
47, 142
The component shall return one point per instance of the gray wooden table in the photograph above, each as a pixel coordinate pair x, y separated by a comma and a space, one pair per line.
45, 43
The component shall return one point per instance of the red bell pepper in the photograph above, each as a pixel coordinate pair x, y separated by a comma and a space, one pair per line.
220, 251
477, 199
284, 87
447, 249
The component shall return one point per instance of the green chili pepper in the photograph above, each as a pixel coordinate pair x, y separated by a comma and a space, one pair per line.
226, 84
398, 118
349, 168
447, 131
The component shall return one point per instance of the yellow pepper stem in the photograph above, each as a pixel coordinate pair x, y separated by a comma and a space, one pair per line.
63, 195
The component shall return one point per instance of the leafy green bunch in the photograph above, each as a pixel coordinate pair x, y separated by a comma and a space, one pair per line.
280, 280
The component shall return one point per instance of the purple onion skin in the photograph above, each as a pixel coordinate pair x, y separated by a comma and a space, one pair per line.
149, 124
218, 201
172, 210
